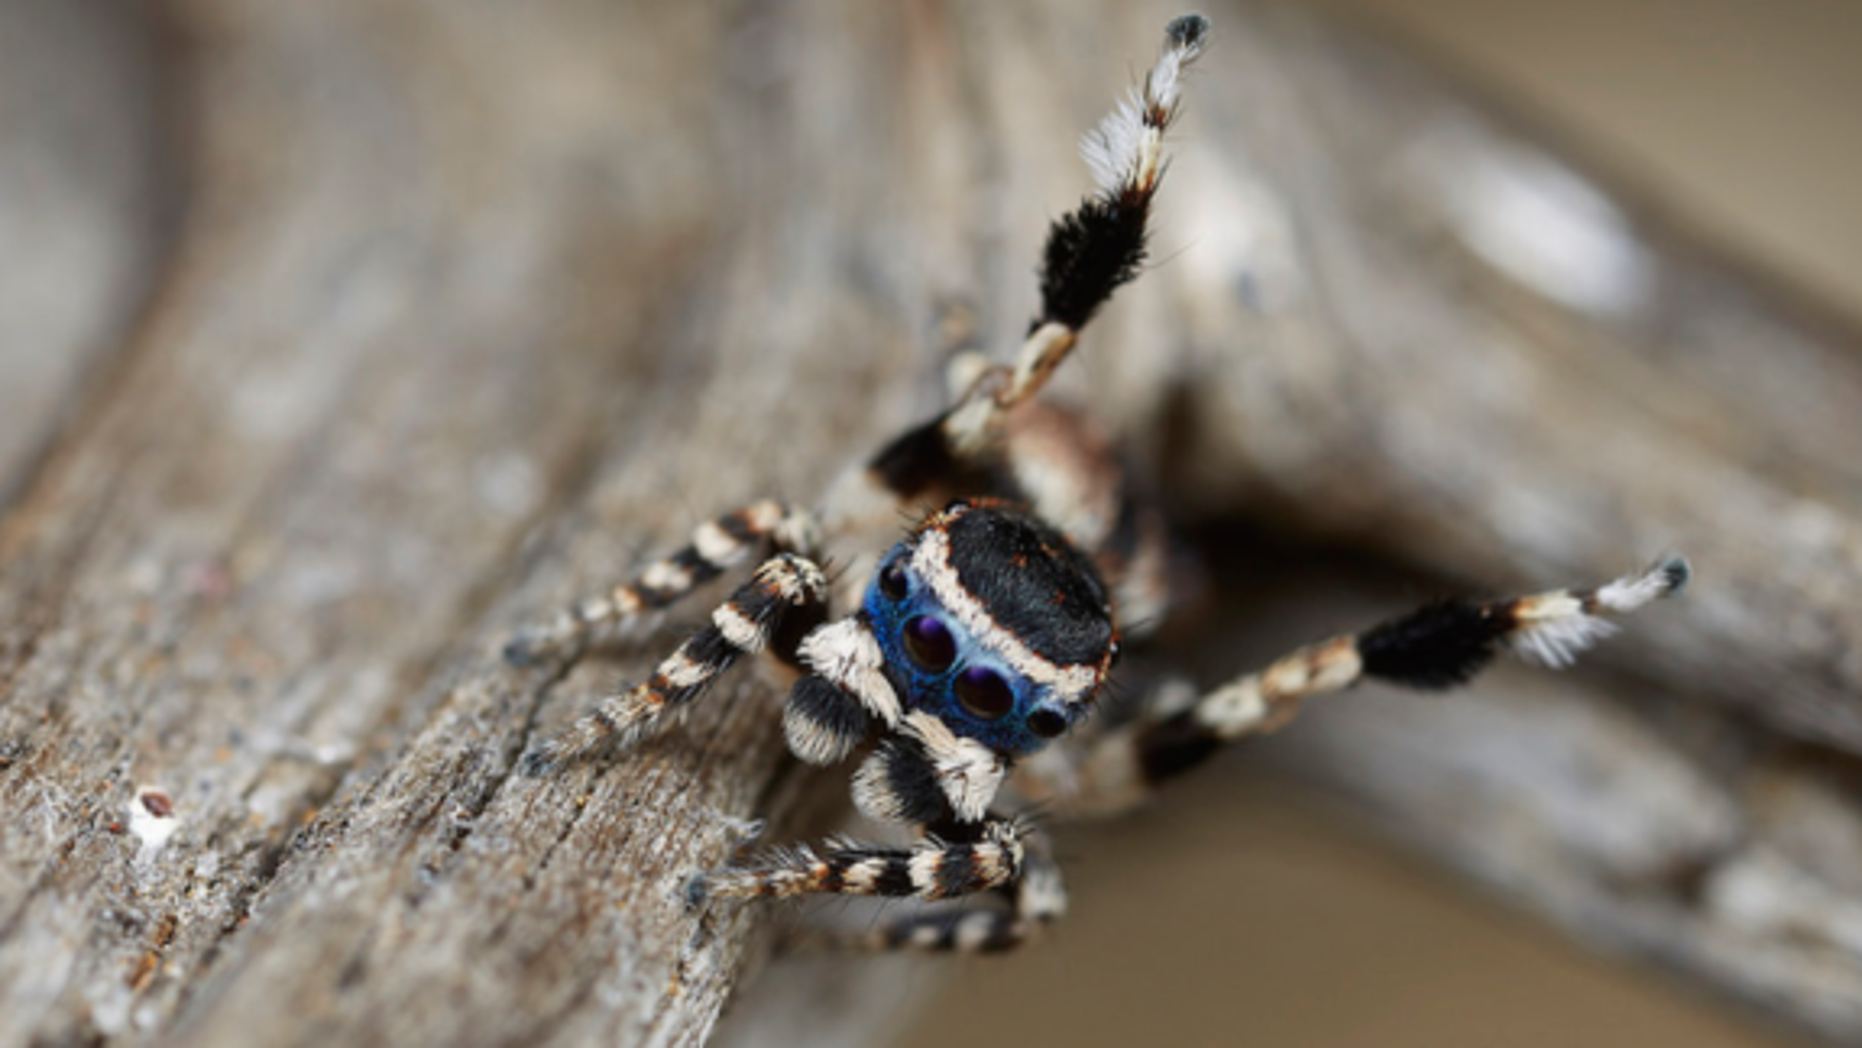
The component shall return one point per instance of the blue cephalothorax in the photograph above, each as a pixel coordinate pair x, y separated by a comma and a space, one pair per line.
992, 623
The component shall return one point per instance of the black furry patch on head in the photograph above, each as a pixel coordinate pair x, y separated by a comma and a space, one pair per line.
1033, 583
1089, 253
1437, 646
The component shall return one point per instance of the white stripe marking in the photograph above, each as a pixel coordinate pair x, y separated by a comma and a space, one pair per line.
716, 545
932, 561
682, 671
967, 771
743, 634
665, 575
845, 653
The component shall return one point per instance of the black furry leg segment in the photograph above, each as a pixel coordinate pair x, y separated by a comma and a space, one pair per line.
1438, 646
717, 546
930, 870
787, 594
1090, 253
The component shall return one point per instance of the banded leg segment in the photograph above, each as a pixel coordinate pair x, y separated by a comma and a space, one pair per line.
786, 587
1036, 900
1435, 647
1097, 248
1090, 253
930, 870
717, 546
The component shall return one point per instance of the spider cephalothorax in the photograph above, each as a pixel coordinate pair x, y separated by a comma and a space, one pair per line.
983, 637
994, 624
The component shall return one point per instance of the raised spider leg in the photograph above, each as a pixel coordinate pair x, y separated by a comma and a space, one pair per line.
1090, 253
785, 598
717, 546
1438, 646
1097, 248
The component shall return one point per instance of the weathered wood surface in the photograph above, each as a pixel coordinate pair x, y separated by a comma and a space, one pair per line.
470, 307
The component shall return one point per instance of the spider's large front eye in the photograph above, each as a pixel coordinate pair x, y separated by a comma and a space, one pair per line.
929, 643
984, 693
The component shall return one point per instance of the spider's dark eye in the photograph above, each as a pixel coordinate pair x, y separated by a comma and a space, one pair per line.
892, 581
984, 693
929, 643
1047, 724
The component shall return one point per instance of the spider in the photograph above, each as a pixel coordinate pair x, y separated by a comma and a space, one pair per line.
967, 657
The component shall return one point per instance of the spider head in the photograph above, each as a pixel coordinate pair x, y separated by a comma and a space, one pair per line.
994, 624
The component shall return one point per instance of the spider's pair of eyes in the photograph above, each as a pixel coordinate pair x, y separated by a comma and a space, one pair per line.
981, 691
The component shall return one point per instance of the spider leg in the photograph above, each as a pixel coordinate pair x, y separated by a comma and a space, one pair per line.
987, 856
1090, 253
1438, 646
1096, 248
929, 778
787, 594
925, 776
717, 545
1034, 901
833, 706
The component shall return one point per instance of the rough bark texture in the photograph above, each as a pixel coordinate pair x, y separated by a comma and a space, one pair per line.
362, 331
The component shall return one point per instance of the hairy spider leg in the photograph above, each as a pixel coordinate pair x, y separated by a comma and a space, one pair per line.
1090, 253
717, 546
786, 597
927, 777
1096, 248
987, 856
1438, 646
997, 439
1037, 899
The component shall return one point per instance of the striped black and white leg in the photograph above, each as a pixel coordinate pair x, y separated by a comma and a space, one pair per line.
988, 857
716, 547
788, 594
1438, 646
1034, 901
1090, 253
922, 775
843, 695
